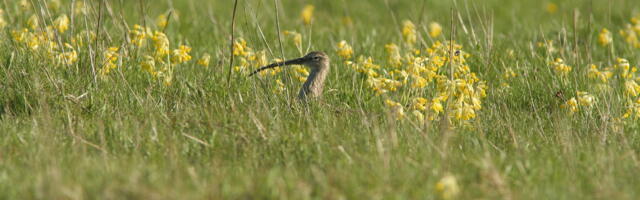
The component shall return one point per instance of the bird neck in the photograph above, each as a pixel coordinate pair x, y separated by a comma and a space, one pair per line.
315, 83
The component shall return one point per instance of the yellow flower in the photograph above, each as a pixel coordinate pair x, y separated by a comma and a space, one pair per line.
631, 88
393, 52
435, 29
297, 37
509, 73
344, 50
552, 8
447, 187
419, 82
595, 73
464, 111
32, 22
149, 65
307, 14
240, 47
161, 21
204, 60
604, 38
633, 110
110, 56
138, 35
181, 55
420, 104
572, 105
585, 99
409, 32
437, 107
161, 45
19, 35
560, 67
62, 23
68, 57
279, 87
33, 42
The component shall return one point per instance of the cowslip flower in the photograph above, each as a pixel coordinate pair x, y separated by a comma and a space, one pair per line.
279, 87
110, 57
631, 88
447, 187
419, 104
435, 29
138, 35
344, 50
61, 23
572, 105
409, 32
32, 22
161, 45
307, 14
605, 38
393, 52
560, 67
204, 60
602, 75
633, 110
148, 64
67, 57
240, 47
161, 21
181, 55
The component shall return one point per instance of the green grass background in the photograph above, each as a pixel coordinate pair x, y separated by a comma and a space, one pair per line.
130, 138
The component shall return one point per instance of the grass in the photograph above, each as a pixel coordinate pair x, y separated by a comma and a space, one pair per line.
130, 137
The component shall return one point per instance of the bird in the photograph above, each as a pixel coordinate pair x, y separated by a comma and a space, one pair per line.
317, 62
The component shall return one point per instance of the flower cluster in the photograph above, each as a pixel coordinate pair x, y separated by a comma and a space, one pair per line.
431, 82
249, 60
49, 42
582, 99
158, 58
631, 32
344, 50
560, 67
54, 38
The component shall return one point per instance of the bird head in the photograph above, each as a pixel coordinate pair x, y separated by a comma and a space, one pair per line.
315, 60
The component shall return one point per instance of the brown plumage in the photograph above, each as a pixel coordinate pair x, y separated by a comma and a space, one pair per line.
318, 62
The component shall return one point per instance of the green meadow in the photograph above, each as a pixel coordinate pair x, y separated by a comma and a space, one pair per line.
142, 99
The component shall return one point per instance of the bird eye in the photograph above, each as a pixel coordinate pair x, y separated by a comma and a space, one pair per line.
316, 58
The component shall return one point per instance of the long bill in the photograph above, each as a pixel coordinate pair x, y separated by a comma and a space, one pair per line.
297, 61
